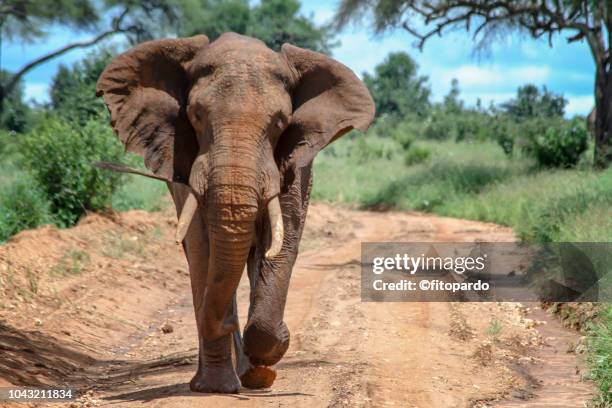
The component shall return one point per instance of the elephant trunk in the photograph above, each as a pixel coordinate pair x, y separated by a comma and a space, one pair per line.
237, 184
230, 242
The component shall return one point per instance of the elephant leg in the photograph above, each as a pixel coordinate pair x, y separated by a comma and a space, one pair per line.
215, 369
266, 336
253, 376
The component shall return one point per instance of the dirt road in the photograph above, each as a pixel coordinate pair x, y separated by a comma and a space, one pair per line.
106, 308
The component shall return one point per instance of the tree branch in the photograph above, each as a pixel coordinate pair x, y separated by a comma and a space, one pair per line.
15, 78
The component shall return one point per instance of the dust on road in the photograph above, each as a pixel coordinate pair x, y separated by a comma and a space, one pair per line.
106, 307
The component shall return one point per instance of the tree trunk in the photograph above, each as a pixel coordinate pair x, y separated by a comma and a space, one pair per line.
2, 93
603, 113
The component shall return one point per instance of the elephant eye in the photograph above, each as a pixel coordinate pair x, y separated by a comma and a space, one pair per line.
280, 124
195, 113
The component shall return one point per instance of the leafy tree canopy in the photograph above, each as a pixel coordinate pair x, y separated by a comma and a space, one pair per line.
31, 20
396, 87
73, 90
452, 101
272, 21
16, 114
27, 20
531, 103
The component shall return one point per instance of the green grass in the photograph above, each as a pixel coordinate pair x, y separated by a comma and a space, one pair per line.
474, 181
600, 358
455, 170
543, 206
495, 328
140, 193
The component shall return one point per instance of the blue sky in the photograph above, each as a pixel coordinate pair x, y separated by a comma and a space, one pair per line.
564, 68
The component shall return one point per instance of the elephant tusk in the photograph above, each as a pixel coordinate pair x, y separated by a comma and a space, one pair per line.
276, 224
187, 213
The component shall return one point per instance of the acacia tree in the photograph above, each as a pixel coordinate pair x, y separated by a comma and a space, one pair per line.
582, 20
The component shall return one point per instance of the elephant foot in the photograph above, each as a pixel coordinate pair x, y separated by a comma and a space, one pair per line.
258, 377
215, 381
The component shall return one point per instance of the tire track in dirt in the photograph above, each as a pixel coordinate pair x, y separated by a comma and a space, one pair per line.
343, 352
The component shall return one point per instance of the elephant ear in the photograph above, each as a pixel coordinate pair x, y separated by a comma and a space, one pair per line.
145, 90
328, 101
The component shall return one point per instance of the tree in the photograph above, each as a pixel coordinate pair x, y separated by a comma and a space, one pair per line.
215, 17
73, 90
396, 87
530, 103
452, 102
16, 114
28, 20
583, 20
275, 22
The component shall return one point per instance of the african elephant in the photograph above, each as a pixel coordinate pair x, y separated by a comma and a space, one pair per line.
233, 127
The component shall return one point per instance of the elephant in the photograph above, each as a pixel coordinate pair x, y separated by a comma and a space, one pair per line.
232, 127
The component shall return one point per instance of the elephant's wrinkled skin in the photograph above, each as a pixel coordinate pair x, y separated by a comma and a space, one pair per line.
233, 127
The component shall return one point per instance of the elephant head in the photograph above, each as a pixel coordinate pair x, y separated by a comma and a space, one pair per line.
231, 126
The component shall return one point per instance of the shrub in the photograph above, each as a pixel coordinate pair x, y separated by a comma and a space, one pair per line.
469, 126
61, 158
404, 139
407, 131
439, 126
370, 148
555, 143
384, 125
503, 132
416, 155
22, 205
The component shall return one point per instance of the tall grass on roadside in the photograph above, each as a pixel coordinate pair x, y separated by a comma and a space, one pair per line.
454, 170
544, 206
600, 358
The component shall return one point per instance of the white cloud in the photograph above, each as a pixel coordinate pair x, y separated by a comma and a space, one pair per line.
495, 75
579, 104
469, 75
36, 91
360, 52
530, 73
